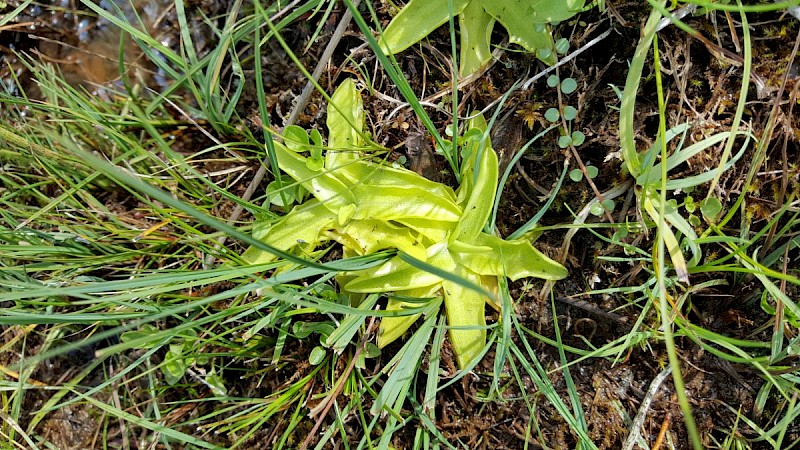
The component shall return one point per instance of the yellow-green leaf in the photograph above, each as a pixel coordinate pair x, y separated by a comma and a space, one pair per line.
323, 185
345, 124
417, 20
481, 178
433, 231
392, 328
466, 317
377, 174
533, 11
291, 230
402, 202
397, 275
370, 236
491, 255
475, 25
393, 275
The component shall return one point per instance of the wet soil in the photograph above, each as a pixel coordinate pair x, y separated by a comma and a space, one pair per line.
702, 87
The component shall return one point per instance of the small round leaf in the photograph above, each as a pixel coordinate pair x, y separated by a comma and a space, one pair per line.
315, 163
290, 193
711, 208
619, 235
592, 171
295, 138
544, 53
597, 209
689, 204
562, 46
564, 141
551, 115
568, 85
317, 355
570, 113
552, 80
672, 206
575, 175
578, 138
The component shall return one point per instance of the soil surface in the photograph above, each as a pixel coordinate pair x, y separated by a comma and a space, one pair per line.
702, 85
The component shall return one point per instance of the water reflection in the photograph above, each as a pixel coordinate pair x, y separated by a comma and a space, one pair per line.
84, 47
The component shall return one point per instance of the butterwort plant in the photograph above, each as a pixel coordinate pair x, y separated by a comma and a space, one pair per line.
527, 23
443, 249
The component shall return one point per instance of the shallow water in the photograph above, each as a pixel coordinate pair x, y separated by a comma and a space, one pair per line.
84, 47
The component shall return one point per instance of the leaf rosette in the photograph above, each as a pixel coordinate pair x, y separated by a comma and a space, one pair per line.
439, 234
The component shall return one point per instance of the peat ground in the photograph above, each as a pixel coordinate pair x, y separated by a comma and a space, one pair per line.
701, 85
